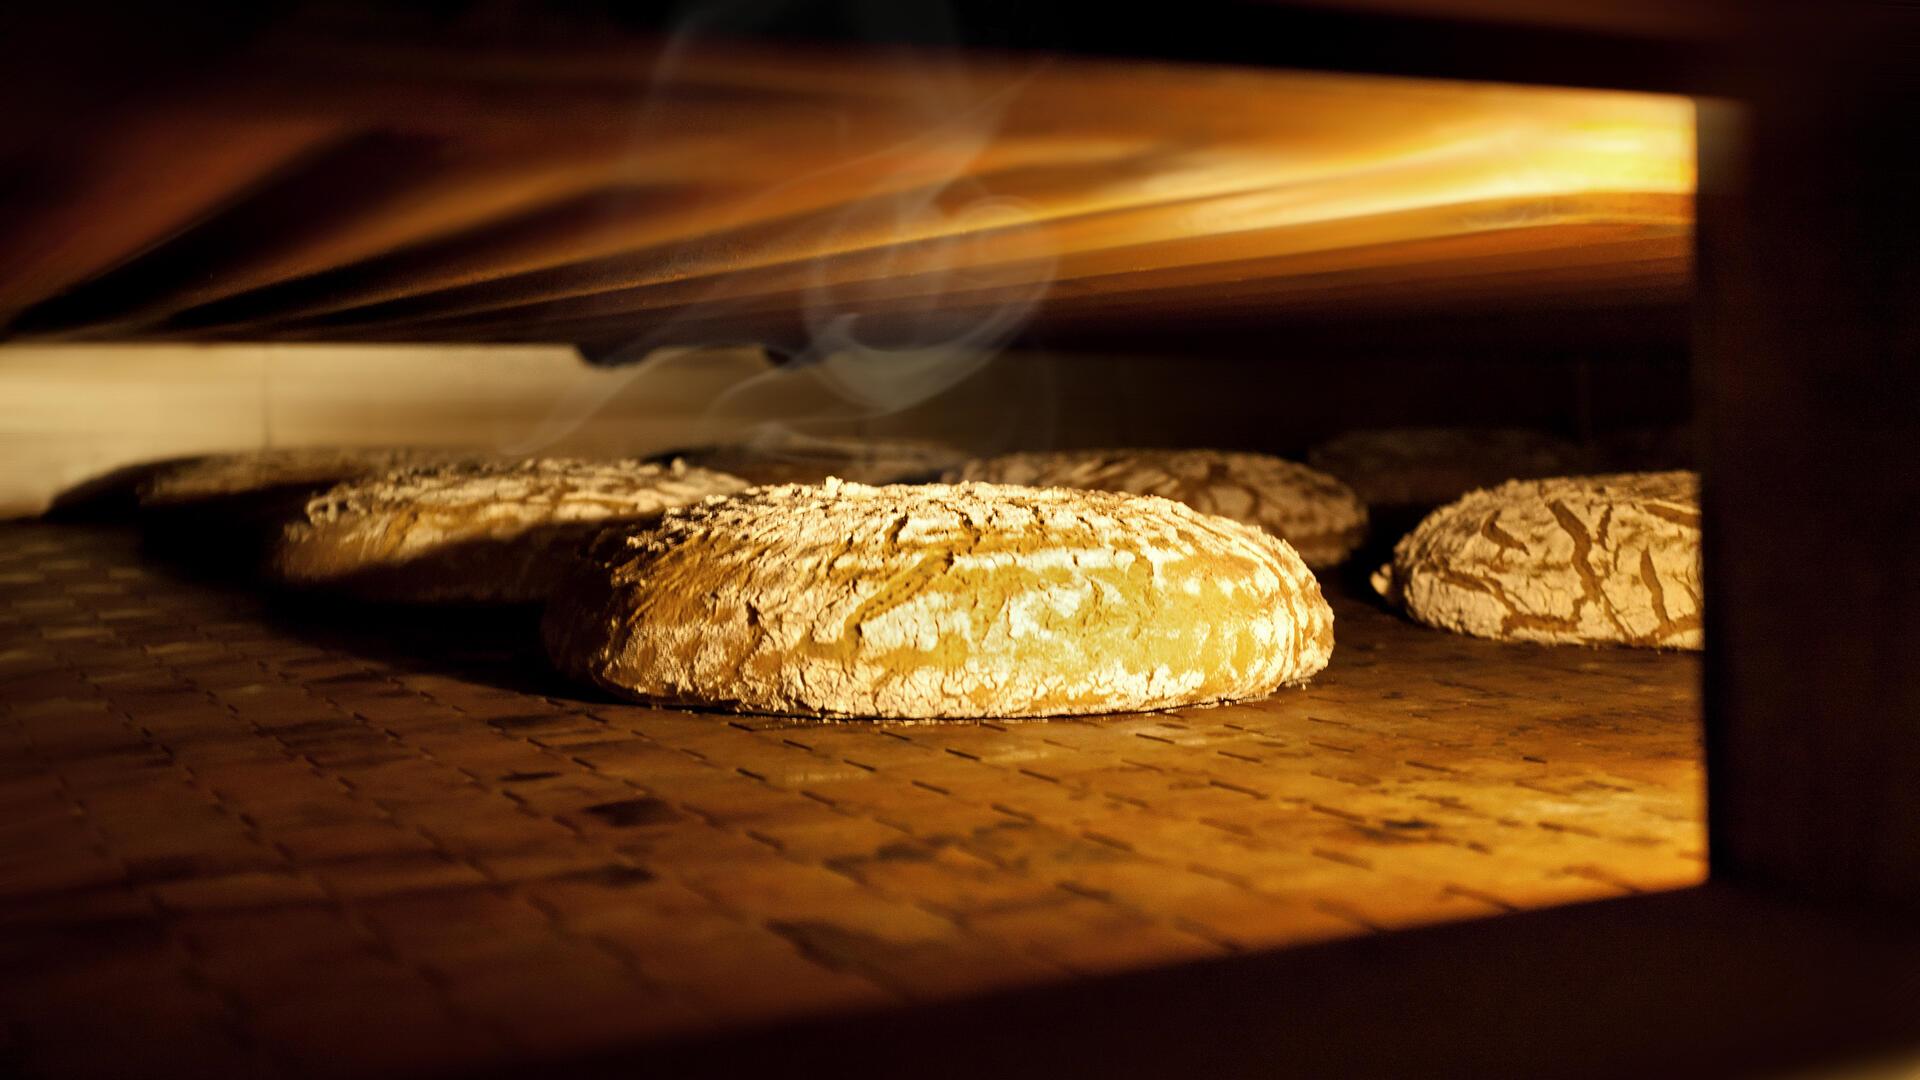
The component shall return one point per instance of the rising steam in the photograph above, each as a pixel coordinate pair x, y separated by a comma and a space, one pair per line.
849, 365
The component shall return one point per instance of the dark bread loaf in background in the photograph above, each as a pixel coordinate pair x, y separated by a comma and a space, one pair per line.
478, 532
1314, 512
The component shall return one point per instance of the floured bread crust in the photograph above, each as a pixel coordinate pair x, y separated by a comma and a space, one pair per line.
1430, 466
491, 532
1317, 514
937, 601
1585, 560
810, 460
221, 475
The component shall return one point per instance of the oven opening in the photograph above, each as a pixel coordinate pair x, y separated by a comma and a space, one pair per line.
360, 807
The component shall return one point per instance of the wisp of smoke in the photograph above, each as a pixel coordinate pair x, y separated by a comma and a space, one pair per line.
947, 217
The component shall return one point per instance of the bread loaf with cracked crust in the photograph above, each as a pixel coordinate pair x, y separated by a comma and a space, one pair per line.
940, 601
479, 532
1318, 515
311, 467
1586, 560
225, 511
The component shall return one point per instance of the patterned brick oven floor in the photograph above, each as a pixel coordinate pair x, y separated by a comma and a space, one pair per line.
248, 837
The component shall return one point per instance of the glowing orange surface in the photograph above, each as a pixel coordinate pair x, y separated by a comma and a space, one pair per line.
679, 191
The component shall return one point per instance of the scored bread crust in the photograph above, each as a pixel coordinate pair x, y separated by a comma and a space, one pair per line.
485, 532
940, 601
311, 467
1320, 516
1586, 560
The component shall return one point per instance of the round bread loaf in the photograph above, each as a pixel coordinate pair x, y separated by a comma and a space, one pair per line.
1584, 560
220, 475
968, 600
1317, 514
225, 512
810, 460
487, 532
1426, 467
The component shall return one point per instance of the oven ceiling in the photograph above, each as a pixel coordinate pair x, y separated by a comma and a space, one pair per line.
620, 191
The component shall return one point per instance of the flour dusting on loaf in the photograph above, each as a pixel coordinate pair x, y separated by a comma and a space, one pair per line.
967, 600
479, 531
1317, 514
310, 467
1584, 560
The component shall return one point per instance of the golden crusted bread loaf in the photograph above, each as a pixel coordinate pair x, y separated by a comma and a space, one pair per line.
219, 475
1584, 560
1317, 514
492, 532
224, 512
968, 600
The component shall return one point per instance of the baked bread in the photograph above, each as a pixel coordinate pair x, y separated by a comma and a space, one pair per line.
1317, 514
936, 601
224, 512
1425, 467
797, 459
487, 532
254, 472
1585, 560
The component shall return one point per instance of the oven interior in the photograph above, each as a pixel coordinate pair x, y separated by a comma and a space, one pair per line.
247, 824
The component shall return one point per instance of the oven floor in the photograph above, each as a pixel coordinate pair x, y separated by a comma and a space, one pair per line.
247, 836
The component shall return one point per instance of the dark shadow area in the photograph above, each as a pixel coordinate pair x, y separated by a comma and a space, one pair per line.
112, 496
221, 538
208, 536
491, 645
1711, 981
1385, 526
223, 545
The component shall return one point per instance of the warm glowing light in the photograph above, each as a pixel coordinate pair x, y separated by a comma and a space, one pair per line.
1034, 180
732, 182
